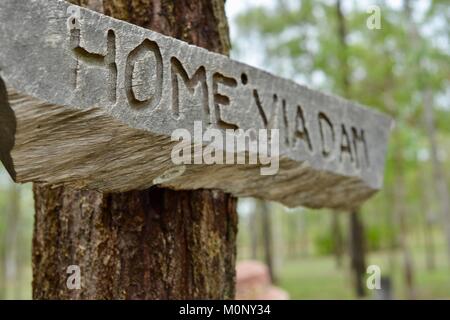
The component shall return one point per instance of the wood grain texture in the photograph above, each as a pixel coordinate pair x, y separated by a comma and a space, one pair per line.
153, 244
150, 244
98, 109
116, 156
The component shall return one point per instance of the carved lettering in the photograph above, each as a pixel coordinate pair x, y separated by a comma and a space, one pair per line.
345, 146
142, 92
102, 91
199, 77
143, 84
301, 130
221, 99
359, 139
286, 124
268, 123
108, 60
327, 144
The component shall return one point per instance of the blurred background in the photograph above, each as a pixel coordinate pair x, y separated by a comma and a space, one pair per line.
390, 55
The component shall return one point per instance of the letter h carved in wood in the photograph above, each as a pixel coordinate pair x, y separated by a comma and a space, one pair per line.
106, 61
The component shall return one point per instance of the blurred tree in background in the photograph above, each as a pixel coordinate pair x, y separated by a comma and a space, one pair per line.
16, 226
403, 69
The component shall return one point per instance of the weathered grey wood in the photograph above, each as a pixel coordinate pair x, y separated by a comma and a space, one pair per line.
92, 102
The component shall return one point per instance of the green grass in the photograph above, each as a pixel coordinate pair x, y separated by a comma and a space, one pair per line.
314, 278
317, 277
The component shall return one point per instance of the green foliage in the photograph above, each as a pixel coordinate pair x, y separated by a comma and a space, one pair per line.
318, 277
324, 244
373, 238
388, 69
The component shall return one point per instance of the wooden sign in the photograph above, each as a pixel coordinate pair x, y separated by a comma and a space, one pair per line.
94, 102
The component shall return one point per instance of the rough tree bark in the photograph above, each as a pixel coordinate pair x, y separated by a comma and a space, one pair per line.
152, 244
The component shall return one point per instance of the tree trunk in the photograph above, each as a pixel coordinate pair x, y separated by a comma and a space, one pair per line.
400, 212
427, 217
267, 237
357, 253
439, 175
152, 244
10, 263
254, 234
338, 242
302, 231
440, 180
391, 226
357, 237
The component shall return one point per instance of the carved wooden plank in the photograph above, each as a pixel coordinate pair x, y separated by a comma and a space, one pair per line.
92, 102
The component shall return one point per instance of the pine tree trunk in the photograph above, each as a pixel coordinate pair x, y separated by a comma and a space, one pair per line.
400, 211
302, 230
337, 238
152, 244
427, 217
439, 174
254, 234
267, 237
440, 180
357, 253
357, 236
